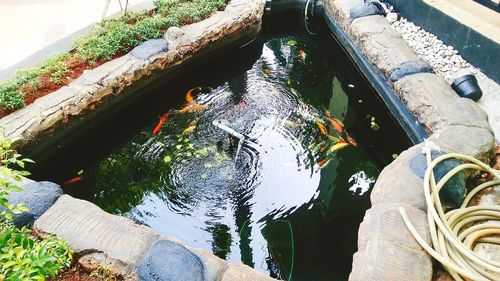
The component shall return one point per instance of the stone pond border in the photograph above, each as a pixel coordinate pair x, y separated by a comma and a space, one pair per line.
131, 250
386, 249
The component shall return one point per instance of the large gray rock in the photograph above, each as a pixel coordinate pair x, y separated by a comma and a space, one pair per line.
472, 141
383, 260
436, 105
452, 193
213, 265
38, 197
341, 10
382, 45
383, 222
170, 261
365, 9
175, 36
387, 250
149, 48
399, 183
89, 229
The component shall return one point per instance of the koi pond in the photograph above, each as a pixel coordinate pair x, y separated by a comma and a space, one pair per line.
266, 155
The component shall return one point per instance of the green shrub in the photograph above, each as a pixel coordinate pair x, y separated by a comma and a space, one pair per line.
107, 40
8, 175
23, 257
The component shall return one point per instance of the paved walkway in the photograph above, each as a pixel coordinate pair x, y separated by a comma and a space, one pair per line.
29, 26
471, 14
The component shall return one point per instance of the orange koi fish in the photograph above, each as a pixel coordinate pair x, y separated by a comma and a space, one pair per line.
351, 140
192, 107
72, 181
189, 94
323, 163
160, 123
336, 124
321, 127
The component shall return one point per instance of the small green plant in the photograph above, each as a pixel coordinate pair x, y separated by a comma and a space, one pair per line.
104, 273
56, 67
107, 40
23, 257
8, 176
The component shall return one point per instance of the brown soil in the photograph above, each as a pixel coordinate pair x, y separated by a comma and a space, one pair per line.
76, 66
75, 273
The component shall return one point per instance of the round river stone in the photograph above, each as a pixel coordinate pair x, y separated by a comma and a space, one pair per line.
38, 197
453, 192
169, 261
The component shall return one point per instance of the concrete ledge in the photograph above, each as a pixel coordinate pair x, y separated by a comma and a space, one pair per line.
436, 105
99, 86
383, 46
386, 249
88, 229
133, 251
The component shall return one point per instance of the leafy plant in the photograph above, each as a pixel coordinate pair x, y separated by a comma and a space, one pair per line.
104, 273
23, 257
8, 158
107, 40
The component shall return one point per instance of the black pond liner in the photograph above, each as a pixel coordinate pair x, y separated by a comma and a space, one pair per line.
324, 239
466, 86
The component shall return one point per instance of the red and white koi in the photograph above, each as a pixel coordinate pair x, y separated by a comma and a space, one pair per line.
302, 55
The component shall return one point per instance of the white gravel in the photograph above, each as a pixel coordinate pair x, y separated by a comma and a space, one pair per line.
445, 60
448, 63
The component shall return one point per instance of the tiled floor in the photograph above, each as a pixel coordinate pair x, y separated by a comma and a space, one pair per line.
27, 26
478, 17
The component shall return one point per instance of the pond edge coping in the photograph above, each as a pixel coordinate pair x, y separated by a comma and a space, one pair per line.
454, 125
99, 237
386, 249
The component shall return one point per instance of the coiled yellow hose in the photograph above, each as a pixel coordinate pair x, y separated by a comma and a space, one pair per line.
454, 234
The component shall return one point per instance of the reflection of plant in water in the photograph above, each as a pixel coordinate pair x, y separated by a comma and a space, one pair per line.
222, 240
279, 236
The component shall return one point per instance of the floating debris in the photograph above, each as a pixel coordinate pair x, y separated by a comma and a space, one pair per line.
167, 159
302, 55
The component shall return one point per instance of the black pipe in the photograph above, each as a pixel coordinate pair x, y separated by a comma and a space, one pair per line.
399, 110
386, 93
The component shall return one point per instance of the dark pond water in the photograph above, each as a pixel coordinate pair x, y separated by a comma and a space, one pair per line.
268, 203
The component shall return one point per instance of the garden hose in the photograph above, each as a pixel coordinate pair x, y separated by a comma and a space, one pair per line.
306, 17
455, 233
